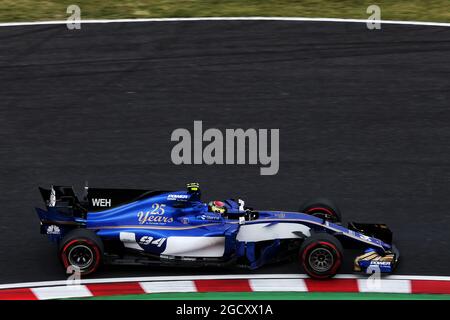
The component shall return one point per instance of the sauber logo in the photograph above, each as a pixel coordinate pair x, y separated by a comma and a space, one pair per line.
101, 202
209, 217
364, 237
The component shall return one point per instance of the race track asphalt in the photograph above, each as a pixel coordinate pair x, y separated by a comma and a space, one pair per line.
364, 119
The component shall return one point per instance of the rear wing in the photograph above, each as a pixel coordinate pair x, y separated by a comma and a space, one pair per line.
93, 199
57, 194
99, 199
65, 210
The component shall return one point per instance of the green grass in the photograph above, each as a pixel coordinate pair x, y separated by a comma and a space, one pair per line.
275, 296
32, 10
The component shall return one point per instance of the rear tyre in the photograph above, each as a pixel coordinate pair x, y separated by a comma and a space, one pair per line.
322, 208
82, 249
321, 255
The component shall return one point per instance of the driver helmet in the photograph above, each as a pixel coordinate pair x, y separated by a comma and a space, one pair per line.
217, 207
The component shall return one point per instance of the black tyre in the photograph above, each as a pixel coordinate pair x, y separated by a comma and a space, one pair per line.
321, 255
322, 208
82, 249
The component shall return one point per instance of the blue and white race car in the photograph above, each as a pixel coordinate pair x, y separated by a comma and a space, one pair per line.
118, 226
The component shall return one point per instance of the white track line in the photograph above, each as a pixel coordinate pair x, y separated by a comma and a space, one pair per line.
269, 285
161, 286
293, 19
61, 292
211, 277
385, 286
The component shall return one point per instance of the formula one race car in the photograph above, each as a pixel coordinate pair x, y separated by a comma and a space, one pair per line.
116, 226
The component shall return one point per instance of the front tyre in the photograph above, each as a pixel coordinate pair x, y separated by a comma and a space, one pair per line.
82, 249
322, 208
321, 255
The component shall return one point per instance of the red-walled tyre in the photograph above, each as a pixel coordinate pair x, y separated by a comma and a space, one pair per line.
322, 208
83, 250
321, 255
